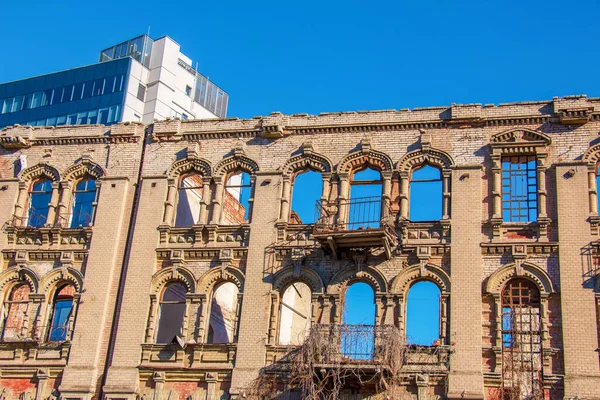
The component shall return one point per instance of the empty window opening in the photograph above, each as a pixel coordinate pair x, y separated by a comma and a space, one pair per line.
188, 200
306, 192
295, 315
521, 337
15, 312
358, 334
61, 314
223, 313
423, 314
519, 189
236, 204
426, 194
172, 311
39, 199
365, 199
84, 200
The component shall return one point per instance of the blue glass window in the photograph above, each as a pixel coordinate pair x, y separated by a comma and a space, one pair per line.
39, 198
78, 91
67, 93
98, 89
60, 319
519, 189
47, 97
84, 198
7, 105
17, 103
36, 99
27, 102
426, 194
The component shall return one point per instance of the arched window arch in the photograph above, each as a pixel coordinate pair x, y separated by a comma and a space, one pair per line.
423, 313
84, 202
62, 309
521, 336
189, 197
223, 313
40, 194
296, 313
366, 187
306, 192
426, 195
236, 198
15, 309
172, 312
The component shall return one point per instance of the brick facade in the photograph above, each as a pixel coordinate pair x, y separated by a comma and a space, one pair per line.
119, 267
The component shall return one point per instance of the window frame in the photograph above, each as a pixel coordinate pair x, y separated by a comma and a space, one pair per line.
514, 175
30, 197
94, 205
249, 186
441, 180
161, 301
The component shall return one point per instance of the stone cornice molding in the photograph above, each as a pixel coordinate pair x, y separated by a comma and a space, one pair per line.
414, 273
173, 274
532, 272
238, 160
519, 140
38, 170
188, 164
85, 166
65, 274
19, 274
217, 275
307, 158
348, 275
286, 276
365, 156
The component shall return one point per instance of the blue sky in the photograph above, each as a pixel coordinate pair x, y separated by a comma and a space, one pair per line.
315, 56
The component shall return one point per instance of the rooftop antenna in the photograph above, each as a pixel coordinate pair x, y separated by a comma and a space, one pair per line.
148, 30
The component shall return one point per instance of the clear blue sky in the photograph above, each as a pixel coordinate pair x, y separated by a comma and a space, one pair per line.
314, 56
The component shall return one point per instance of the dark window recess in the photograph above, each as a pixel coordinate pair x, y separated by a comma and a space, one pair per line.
141, 94
188, 91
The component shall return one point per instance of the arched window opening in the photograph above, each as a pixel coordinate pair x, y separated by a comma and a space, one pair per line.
40, 194
15, 313
188, 200
296, 313
426, 194
84, 201
423, 314
306, 192
521, 336
358, 334
236, 202
172, 312
223, 314
61, 314
365, 199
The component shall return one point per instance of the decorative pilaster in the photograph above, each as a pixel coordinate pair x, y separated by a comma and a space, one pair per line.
217, 201
170, 203
53, 204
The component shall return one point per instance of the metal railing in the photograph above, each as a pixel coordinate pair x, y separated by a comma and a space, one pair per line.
348, 343
18, 333
361, 213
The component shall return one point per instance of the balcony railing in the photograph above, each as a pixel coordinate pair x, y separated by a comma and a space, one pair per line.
362, 213
356, 344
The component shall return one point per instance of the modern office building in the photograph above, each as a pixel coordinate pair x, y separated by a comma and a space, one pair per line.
138, 80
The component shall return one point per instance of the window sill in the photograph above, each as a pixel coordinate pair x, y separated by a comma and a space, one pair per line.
204, 234
502, 231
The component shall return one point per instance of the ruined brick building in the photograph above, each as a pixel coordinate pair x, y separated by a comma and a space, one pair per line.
170, 261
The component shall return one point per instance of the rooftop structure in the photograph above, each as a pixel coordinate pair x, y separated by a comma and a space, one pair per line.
138, 80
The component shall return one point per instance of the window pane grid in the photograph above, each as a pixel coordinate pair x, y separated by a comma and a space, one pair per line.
519, 189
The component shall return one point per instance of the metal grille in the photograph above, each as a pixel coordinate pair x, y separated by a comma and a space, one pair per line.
519, 189
521, 340
363, 213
